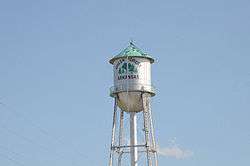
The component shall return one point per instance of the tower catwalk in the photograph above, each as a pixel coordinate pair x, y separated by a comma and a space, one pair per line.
132, 140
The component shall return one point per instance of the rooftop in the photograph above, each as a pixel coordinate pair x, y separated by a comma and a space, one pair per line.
132, 51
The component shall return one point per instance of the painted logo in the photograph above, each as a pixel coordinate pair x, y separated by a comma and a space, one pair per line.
128, 70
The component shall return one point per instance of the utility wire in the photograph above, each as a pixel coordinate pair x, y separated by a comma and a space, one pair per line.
13, 160
10, 151
43, 131
31, 141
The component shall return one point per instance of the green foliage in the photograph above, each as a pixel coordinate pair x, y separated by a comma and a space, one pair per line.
131, 68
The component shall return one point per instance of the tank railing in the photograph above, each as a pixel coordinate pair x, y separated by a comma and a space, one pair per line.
132, 87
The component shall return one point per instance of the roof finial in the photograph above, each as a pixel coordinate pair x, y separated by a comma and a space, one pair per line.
131, 42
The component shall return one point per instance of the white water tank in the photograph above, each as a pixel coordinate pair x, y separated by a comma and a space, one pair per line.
132, 77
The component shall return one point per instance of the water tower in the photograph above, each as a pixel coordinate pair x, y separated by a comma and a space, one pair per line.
133, 141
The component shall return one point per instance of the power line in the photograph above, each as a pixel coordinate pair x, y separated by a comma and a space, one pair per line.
57, 139
31, 141
10, 151
13, 160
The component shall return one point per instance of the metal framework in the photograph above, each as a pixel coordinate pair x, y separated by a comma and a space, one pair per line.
142, 152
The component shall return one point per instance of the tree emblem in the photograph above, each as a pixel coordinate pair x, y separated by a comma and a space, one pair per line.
127, 68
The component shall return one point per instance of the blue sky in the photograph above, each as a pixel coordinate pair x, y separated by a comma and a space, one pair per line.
55, 76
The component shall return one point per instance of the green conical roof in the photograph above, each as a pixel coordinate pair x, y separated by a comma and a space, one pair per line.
131, 51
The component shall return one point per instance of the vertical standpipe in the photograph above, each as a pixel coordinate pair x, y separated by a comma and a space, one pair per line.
133, 139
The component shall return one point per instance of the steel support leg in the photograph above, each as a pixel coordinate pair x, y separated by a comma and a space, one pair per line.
146, 126
152, 133
113, 133
121, 137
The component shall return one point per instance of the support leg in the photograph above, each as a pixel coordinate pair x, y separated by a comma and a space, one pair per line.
146, 127
152, 133
121, 137
113, 133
